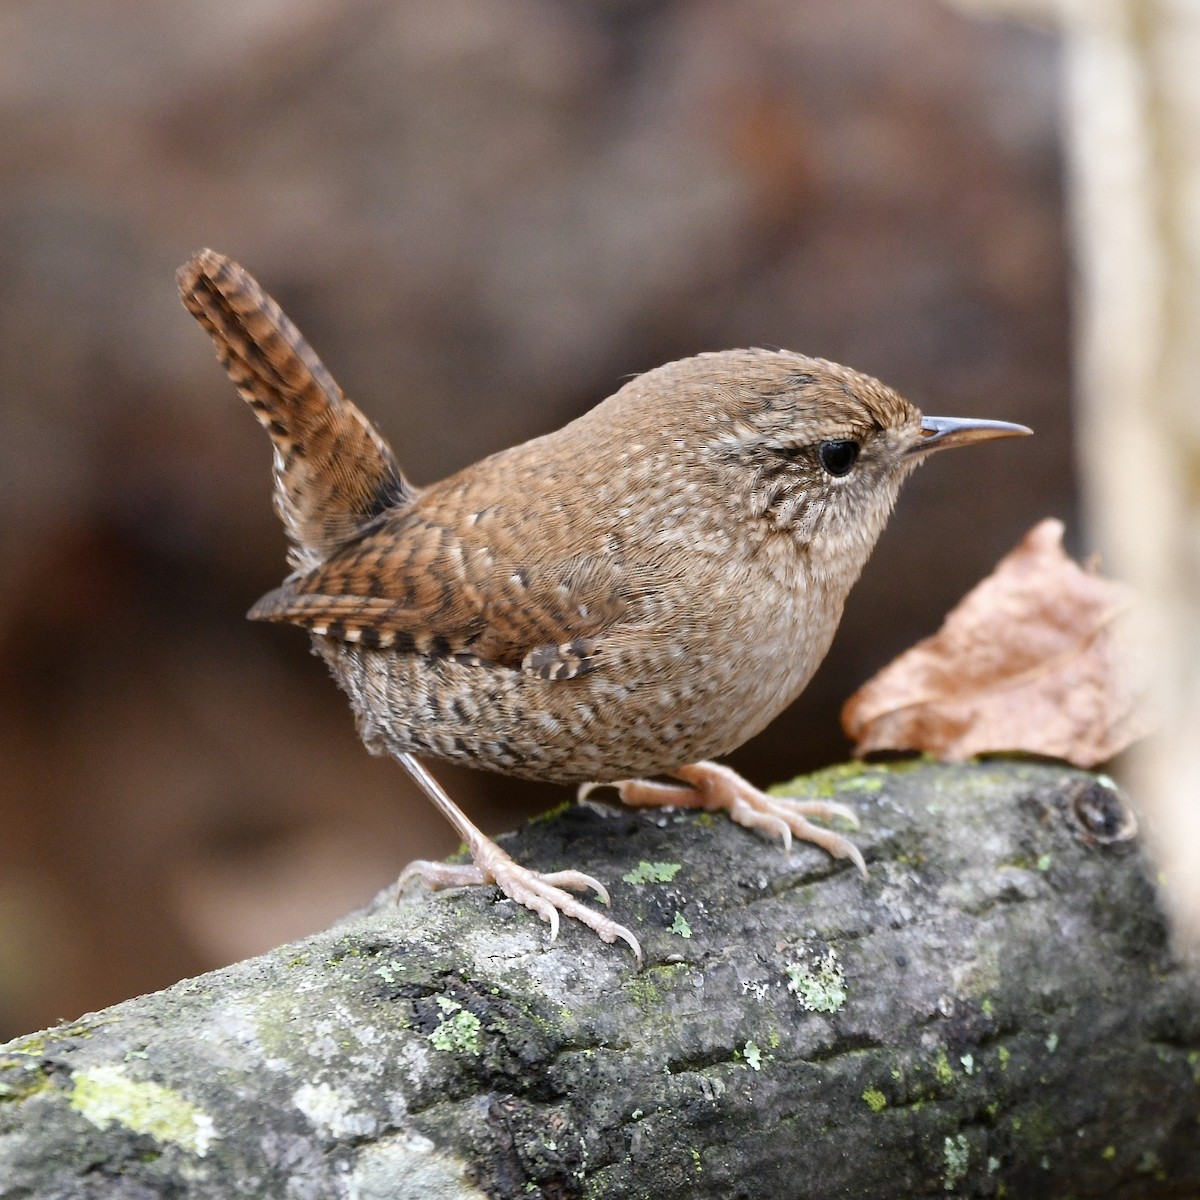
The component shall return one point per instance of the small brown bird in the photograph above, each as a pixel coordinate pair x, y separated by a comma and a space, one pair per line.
637, 593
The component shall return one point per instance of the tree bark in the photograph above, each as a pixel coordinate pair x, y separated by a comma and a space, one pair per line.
995, 1012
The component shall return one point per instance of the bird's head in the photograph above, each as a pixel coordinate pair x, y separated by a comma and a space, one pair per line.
806, 447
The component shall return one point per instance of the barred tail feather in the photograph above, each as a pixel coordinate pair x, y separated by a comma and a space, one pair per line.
315, 430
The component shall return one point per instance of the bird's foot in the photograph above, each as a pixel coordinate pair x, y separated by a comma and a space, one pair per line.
713, 787
543, 893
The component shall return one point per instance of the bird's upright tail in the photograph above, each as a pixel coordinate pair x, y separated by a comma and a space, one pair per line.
333, 471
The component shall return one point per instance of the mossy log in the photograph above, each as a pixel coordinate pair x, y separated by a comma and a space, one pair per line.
995, 1012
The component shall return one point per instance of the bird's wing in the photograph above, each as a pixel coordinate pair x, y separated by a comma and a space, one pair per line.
419, 586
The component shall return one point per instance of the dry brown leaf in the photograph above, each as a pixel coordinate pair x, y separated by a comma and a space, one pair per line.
1039, 657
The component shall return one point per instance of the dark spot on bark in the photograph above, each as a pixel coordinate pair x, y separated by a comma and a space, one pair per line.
1102, 813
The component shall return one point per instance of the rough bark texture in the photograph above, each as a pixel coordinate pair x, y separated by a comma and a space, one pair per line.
995, 1012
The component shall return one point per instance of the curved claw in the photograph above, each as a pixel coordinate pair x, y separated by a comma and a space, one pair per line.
848, 815
577, 881
538, 893
752, 818
712, 786
845, 812
632, 942
823, 810
542, 894
854, 854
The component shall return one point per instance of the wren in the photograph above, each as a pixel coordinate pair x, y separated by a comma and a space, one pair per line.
630, 596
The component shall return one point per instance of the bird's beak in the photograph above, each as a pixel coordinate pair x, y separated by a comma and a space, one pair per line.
940, 433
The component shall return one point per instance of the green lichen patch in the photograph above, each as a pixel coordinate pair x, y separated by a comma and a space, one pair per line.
876, 1100
390, 971
32, 1044
1150, 1164
753, 1056
942, 1069
648, 989
821, 986
552, 814
37, 1045
106, 1094
83, 1028
458, 1030
21, 1079
648, 872
844, 778
956, 1156
680, 926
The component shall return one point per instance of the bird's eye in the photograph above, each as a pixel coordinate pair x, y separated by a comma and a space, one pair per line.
838, 457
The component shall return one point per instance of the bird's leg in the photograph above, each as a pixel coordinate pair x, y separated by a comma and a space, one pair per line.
712, 787
543, 894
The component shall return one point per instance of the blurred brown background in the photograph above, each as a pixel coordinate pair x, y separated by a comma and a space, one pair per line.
483, 214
